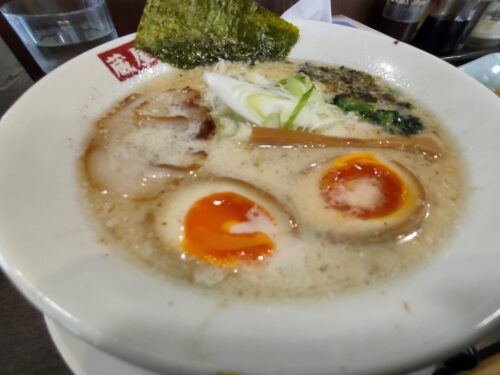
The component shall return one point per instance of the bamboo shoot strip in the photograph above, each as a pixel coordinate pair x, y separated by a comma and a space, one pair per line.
422, 145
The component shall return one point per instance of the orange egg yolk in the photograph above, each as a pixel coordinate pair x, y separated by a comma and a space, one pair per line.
207, 230
363, 186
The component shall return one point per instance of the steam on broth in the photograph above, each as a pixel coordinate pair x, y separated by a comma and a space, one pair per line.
174, 177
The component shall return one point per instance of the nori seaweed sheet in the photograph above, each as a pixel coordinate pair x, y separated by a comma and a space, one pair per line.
190, 33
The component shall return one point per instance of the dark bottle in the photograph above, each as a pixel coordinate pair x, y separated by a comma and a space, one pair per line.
448, 25
400, 18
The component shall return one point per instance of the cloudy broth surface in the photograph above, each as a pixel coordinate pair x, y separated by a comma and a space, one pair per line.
307, 260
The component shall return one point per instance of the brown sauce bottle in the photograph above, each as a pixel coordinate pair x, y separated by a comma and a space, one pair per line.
400, 18
448, 25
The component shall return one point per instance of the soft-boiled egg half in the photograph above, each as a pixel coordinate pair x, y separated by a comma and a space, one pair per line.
360, 197
223, 222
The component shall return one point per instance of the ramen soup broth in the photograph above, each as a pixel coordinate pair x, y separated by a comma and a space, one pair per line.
301, 254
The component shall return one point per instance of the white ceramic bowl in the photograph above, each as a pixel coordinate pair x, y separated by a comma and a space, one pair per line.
51, 252
486, 70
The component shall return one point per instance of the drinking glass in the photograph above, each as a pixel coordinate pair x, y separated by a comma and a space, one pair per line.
55, 31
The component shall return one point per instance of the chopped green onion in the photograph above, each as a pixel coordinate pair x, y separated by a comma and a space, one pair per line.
302, 102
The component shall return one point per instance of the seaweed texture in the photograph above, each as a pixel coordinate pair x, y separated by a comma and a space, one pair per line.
190, 33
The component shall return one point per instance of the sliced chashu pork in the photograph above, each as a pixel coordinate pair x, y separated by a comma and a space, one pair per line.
147, 139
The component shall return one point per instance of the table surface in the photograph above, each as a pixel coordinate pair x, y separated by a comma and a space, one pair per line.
25, 346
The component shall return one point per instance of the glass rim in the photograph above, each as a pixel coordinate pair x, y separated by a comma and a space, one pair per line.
4, 9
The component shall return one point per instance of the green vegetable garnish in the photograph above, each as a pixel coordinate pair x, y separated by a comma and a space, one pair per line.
392, 121
191, 33
296, 85
302, 102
